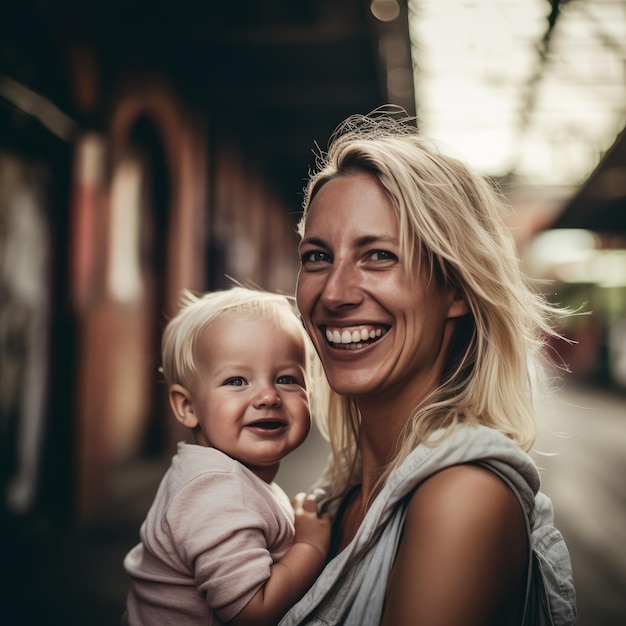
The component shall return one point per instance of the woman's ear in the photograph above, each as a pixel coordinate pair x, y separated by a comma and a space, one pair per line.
182, 406
458, 306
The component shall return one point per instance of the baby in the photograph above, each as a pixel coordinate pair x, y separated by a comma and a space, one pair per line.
221, 542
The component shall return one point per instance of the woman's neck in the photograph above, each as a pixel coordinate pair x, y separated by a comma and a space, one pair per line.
378, 439
383, 421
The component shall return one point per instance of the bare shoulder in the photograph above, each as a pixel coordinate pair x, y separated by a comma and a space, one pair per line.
468, 512
464, 538
471, 491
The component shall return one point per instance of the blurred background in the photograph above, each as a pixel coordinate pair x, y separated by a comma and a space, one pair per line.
147, 147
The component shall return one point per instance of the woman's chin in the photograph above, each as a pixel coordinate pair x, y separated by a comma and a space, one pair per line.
357, 384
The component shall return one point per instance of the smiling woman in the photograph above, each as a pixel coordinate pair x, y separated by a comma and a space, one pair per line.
431, 339
352, 280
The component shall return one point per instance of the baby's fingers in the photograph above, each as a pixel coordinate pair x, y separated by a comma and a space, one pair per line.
305, 502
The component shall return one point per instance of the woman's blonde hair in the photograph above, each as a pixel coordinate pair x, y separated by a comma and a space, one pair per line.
452, 224
197, 312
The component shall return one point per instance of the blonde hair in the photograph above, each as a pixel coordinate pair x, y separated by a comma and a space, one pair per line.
451, 223
182, 332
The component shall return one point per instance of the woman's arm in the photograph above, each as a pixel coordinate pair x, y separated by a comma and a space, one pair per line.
295, 572
463, 554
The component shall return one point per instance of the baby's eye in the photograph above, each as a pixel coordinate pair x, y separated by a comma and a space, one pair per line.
315, 256
236, 381
383, 255
286, 380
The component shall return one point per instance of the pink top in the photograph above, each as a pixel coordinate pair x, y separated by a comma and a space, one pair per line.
208, 541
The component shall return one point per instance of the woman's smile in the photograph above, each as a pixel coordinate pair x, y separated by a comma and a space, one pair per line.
353, 338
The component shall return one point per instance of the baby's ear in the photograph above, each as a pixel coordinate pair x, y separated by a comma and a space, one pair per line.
182, 406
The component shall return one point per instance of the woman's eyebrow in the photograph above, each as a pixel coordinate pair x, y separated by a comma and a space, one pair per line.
313, 241
360, 242
368, 240
364, 240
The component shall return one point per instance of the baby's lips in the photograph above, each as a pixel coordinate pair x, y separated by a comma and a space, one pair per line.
267, 423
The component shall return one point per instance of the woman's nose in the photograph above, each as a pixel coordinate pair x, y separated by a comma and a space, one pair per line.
341, 288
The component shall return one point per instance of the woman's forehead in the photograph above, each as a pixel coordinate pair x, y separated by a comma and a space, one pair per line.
356, 199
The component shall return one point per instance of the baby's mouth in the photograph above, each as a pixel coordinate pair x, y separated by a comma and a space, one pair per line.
268, 424
355, 337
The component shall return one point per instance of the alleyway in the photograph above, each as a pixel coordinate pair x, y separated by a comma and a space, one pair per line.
586, 429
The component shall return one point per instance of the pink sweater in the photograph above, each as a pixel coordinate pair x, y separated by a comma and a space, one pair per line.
208, 541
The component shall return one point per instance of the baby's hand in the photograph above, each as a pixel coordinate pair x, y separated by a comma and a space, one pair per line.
310, 527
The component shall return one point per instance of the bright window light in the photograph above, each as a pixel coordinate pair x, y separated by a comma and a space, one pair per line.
488, 85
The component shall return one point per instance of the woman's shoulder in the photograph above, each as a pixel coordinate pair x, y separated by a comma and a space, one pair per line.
467, 499
468, 514
464, 537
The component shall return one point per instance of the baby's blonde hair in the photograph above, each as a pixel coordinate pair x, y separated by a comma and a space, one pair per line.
197, 312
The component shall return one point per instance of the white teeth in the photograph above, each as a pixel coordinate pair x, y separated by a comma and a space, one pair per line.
354, 337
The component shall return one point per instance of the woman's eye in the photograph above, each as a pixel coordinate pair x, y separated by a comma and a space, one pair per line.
383, 255
315, 256
236, 381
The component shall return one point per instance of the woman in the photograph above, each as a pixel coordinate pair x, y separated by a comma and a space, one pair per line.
431, 340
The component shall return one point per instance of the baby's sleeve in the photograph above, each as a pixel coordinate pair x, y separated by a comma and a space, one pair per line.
222, 528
